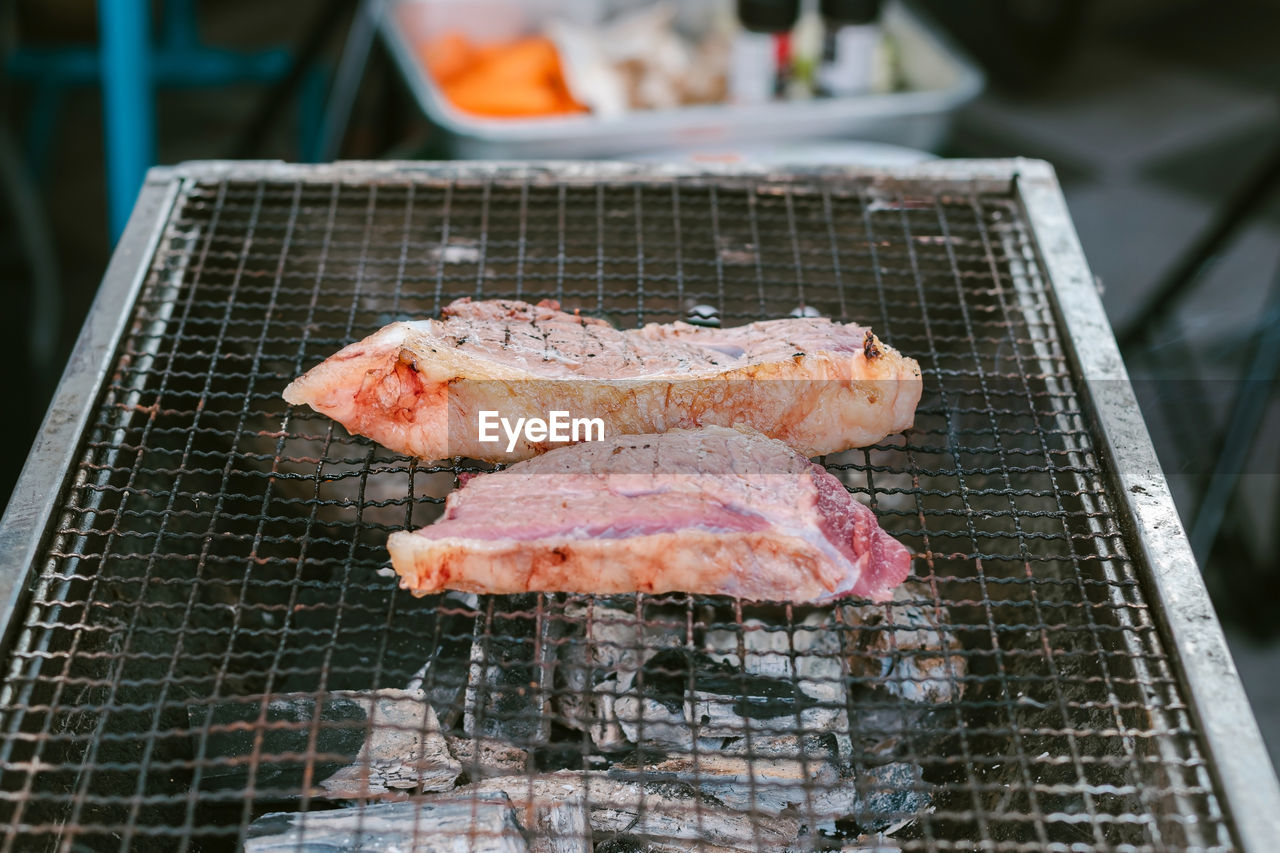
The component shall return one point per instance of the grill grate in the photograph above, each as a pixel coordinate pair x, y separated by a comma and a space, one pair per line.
205, 636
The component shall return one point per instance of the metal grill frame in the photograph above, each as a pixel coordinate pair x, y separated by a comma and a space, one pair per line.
1163, 558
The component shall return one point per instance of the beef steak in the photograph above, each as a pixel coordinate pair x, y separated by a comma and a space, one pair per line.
418, 387
713, 511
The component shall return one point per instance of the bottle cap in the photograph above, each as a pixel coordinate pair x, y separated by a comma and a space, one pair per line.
768, 16
851, 11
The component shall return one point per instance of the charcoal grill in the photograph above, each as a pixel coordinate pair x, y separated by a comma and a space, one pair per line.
203, 652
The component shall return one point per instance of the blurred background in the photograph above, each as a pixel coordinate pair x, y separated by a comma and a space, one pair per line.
1162, 118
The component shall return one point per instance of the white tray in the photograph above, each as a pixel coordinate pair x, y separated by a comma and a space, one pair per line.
939, 79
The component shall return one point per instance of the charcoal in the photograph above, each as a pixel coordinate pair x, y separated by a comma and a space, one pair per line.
653, 722
511, 664
819, 757
885, 727
807, 655
703, 315
876, 799
724, 700
795, 775
444, 674
404, 751
568, 750
235, 734
635, 844
762, 673
459, 250
482, 757
892, 796
669, 673
612, 643
562, 827
672, 813
487, 822
894, 488
763, 786
822, 746
905, 648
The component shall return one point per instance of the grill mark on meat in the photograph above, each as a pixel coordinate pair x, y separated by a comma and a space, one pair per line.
822, 386
869, 347
546, 339
592, 339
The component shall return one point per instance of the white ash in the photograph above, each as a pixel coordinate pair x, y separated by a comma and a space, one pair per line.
614, 645
404, 750
434, 825
807, 654
907, 647
669, 812
484, 757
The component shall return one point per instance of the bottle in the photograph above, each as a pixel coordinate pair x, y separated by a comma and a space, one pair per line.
850, 47
760, 60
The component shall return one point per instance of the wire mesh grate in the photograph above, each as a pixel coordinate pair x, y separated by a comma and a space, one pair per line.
212, 660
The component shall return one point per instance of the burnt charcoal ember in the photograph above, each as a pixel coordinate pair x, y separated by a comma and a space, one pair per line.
892, 797
670, 673
486, 821
794, 681
703, 315
511, 664
671, 813
808, 786
658, 706
483, 757
818, 787
403, 751
812, 745
668, 813
636, 844
569, 750
609, 645
881, 797
905, 669
806, 654
906, 648
280, 737
811, 788
444, 674
885, 727
562, 827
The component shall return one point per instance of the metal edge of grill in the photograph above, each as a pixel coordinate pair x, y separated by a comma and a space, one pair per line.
1238, 753
1238, 759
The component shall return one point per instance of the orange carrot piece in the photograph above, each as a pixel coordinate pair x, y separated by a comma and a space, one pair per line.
449, 56
522, 78
482, 95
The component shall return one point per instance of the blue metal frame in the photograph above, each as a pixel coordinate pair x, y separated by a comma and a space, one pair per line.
128, 103
129, 66
199, 66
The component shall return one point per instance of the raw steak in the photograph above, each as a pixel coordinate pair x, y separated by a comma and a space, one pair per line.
418, 387
714, 511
